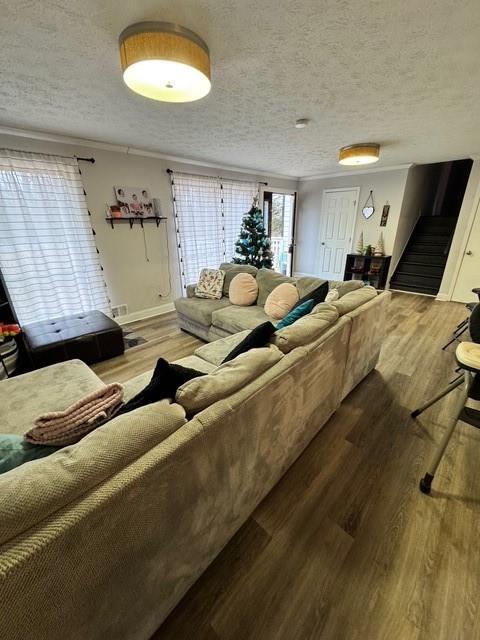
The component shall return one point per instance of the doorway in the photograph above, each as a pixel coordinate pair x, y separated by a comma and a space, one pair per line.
279, 220
337, 222
468, 276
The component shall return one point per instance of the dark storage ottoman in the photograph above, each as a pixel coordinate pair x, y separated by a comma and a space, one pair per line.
90, 337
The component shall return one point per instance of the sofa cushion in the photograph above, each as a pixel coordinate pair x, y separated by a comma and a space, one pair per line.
54, 388
234, 319
243, 290
214, 352
345, 286
307, 284
256, 338
354, 299
267, 280
32, 492
306, 329
200, 310
231, 270
199, 393
210, 284
282, 299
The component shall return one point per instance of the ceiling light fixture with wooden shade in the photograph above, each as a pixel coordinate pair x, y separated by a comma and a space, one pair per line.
164, 61
358, 154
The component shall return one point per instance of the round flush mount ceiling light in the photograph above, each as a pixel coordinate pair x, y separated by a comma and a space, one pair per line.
301, 123
164, 61
356, 154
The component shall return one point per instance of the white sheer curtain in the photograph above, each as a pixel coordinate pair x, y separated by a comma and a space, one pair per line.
237, 201
208, 214
48, 257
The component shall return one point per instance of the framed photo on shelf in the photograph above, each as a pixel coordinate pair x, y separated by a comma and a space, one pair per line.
134, 202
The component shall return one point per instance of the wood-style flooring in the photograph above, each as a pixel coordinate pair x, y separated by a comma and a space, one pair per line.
345, 547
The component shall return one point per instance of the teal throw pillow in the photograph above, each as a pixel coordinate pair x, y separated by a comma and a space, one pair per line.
14, 451
296, 313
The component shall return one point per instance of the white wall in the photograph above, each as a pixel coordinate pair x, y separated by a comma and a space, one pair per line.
131, 279
387, 186
465, 218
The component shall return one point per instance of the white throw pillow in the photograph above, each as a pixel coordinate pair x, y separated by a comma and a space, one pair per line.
210, 284
332, 295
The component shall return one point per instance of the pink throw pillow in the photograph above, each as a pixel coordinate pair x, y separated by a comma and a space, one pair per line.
282, 300
243, 290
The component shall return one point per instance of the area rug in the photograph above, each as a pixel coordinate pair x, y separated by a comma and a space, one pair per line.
131, 339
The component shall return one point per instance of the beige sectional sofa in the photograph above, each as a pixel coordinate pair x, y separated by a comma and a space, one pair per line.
103, 538
213, 319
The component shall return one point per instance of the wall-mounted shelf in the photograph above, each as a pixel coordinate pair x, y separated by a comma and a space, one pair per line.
133, 220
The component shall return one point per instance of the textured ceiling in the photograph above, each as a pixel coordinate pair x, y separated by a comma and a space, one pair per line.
404, 73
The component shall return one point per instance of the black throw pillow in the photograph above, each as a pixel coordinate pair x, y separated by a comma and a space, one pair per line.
318, 295
258, 337
164, 383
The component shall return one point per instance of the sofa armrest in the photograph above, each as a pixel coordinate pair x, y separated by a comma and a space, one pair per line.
191, 290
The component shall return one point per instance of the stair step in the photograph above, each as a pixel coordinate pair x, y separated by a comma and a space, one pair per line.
412, 289
430, 249
419, 269
417, 280
431, 237
422, 258
437, 222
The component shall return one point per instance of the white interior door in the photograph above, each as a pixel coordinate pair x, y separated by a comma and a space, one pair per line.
337, 221
469, 274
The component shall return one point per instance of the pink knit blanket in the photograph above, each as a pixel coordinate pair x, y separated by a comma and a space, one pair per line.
60, 428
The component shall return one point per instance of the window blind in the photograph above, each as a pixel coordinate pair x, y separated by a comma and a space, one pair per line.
208, 214
48, 257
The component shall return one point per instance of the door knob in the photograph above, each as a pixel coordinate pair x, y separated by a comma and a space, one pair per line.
469, 253
322, 243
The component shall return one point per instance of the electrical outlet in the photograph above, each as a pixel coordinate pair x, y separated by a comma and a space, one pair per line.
120, 310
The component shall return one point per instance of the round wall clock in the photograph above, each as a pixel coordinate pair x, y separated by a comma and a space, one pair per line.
369, 207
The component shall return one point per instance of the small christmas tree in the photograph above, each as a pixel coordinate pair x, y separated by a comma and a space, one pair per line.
380, 247
253, 244
360, 246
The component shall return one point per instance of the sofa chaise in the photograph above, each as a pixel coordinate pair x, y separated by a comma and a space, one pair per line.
103, 538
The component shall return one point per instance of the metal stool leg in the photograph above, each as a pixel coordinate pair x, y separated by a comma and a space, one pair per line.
426, 481
453, 385
455, 336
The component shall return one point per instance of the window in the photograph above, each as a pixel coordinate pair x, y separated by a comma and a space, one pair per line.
48, 257
208, 214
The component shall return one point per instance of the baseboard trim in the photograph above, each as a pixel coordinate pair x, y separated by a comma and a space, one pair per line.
146, 313
443, 297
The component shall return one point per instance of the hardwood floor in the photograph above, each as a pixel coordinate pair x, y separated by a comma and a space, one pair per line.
164, 339
345, 547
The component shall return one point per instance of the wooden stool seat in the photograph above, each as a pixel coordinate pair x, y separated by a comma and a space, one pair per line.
468, 356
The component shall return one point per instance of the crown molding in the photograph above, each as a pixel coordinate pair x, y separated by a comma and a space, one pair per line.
105, 146
339, 174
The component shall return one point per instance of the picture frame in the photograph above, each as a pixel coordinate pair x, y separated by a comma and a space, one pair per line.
134, 202
384, 218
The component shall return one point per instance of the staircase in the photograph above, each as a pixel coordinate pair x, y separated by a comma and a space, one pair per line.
421, 266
